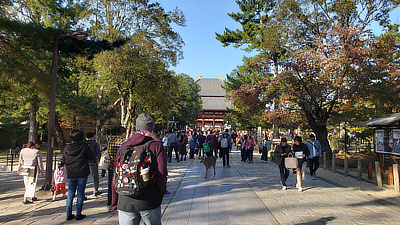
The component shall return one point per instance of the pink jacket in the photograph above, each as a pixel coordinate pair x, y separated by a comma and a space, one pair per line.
60, 175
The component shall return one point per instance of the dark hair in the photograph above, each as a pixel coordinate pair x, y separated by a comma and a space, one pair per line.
34, 142
226, 130
208, 138
60, 163
120, 130
283, 139
76, 135
89, 135
312, 136
299, 139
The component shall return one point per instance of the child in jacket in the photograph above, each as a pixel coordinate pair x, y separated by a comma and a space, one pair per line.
59, 179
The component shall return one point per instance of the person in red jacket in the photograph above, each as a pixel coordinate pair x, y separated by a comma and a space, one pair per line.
146, 206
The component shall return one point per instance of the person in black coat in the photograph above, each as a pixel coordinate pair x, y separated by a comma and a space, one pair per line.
300, 151
281, 152
76, 158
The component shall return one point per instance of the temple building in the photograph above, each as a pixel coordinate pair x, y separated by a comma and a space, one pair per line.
215, 105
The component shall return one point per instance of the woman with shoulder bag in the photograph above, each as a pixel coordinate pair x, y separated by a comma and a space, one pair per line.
281, 152
300, 151
30, 165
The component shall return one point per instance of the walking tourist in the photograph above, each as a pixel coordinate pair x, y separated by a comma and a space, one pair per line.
225, 145
250, 149
201, 139
173, 145
265, 147
165, 142
192, 144
146, 206
238, 143
113, 147
76, 158
208, 146
30, 165
300, 151
245, 144
183, 141
315, 151
281, 152
94, 164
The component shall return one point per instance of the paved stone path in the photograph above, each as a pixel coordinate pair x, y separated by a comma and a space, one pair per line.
242, 194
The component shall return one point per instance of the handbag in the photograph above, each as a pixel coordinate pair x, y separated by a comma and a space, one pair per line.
291, 163
26, 170
104, 161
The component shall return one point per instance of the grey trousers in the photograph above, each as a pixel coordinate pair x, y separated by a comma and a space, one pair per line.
94, 170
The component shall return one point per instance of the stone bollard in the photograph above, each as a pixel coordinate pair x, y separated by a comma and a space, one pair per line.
325, 167
333, 164
359, 172
378, 174
396, 177
346, 167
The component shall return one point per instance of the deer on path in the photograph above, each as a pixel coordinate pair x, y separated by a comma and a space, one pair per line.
208, 162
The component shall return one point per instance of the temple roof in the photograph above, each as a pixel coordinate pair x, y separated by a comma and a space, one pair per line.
212, 94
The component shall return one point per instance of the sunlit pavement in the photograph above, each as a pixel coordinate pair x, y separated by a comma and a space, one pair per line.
242, 194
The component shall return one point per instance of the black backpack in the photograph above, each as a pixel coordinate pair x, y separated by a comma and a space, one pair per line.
129, 165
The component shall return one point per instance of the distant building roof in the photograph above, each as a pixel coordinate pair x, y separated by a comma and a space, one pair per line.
211, 87
383, 120
212, 94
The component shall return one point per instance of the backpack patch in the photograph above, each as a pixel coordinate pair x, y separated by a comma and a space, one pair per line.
224, 142
135, 170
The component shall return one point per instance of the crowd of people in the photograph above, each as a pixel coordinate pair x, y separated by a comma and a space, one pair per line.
81, 158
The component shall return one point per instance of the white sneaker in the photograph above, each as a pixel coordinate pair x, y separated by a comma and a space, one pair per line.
300, 189
283, 188
297, 186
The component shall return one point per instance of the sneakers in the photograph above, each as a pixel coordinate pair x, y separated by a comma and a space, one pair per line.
284, 188
300, 189
228, 166
71, 217
54, 199
26, 202
34, 199
101, 177
167, 192
297, 186
79, 217
97, 193
64, 196
313, 177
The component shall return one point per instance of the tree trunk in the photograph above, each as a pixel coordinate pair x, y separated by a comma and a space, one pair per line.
32, 121
98, 120
275, 131
321, 134
60, 137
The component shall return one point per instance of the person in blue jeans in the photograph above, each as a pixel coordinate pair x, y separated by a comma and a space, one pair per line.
76, 158
147, 205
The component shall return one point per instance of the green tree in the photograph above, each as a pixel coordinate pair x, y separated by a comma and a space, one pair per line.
140, 67
185, 100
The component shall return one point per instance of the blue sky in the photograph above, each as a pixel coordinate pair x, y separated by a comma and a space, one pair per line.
203, 53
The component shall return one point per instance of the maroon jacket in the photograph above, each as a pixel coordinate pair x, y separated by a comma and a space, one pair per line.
152, 198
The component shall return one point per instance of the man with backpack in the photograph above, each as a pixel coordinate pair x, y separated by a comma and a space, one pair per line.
141, 164
225, 145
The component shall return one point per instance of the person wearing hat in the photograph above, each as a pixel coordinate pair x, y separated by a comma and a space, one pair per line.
146, 206
281, 152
